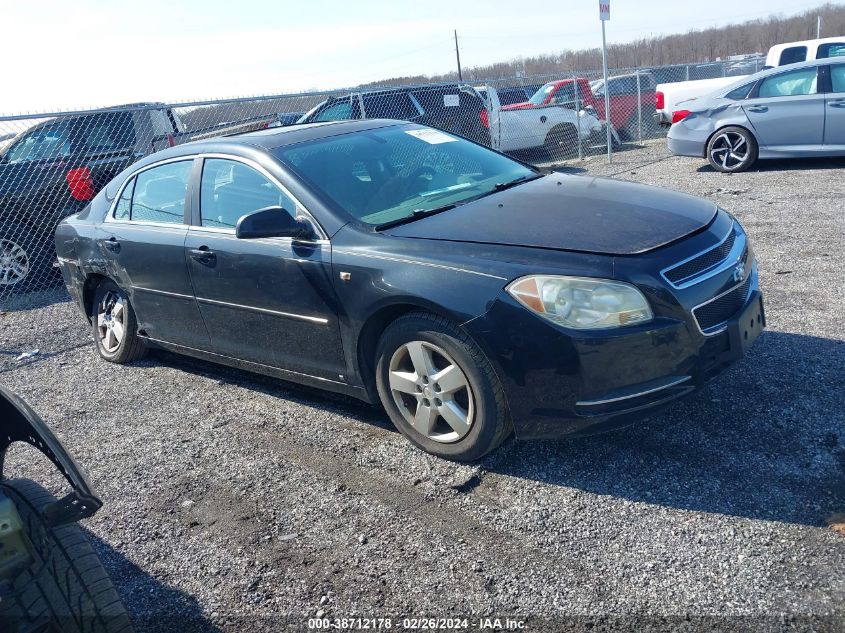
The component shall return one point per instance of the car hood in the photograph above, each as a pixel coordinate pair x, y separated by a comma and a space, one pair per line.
572, 213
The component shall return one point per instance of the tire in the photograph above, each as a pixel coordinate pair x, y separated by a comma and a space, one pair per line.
25, 260
561, 141
738, 139
115, 325
454, 356
65, 588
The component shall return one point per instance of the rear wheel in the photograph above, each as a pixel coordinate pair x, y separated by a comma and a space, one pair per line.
115, 326
439, 389
731, 150
65, 587
561, 142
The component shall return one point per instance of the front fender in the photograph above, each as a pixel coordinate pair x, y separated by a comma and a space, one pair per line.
21, 424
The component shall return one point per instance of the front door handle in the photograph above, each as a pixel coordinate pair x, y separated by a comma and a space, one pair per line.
112, 244
203, 255
839, 103
758, 109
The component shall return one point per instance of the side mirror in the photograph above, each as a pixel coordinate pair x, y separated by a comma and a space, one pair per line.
272, 222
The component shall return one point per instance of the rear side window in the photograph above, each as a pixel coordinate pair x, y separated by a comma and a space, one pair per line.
837, 77
793, 55
389, 106
231, 189
831, 49
738, 94
797, 82
159, 193
124, 203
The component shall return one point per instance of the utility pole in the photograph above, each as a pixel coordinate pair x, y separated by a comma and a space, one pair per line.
458, 56
818, 27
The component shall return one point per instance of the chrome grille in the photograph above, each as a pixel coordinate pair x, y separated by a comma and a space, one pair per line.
703, 262
712, 315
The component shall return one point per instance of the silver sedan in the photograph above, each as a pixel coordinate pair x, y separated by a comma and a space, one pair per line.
792, 111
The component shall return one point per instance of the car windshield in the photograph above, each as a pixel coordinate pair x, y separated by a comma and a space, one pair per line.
539, 97
395, 173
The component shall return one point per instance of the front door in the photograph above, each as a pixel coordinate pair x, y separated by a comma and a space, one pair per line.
787, 111
834, 126
143, 243
267, 301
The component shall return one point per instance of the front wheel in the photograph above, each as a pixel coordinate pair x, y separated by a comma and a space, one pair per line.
439, 388
731, 150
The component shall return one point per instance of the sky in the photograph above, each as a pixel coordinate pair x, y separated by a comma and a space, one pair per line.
60, 55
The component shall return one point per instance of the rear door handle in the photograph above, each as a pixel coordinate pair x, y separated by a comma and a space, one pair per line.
112, 244
203, 255
758, 109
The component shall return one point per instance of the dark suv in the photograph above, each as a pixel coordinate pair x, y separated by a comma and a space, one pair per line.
55, 168
453, 107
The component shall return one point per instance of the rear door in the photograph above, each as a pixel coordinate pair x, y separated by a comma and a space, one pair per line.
834, 127
142, 242
266, 301
787, 110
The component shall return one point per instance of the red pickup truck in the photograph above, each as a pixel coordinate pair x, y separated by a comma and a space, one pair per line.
623, 99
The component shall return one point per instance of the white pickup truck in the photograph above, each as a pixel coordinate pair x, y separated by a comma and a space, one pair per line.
554, 130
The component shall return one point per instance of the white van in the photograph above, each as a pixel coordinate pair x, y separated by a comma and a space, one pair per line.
807, 50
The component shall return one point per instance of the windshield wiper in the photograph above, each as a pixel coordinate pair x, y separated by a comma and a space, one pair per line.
416, 214
501, 186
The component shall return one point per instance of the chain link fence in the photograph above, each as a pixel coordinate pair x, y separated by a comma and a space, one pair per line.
53, 164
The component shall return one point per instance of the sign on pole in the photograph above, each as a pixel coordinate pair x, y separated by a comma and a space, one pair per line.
604, 15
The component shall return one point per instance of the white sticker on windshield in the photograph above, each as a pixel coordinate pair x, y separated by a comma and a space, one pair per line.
452, 101
432, 137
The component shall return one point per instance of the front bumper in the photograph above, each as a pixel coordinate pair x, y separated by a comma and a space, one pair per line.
560, 383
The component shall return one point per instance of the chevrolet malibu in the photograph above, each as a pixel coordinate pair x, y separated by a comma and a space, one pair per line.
469, 294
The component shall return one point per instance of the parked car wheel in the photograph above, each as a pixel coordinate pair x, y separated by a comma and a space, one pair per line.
731, 150
115, 326
439, 389
24, 260
561, 141
66, 588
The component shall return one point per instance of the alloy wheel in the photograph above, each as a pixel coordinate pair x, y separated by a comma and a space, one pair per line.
14, 263
111, 321
431, 391
730, 150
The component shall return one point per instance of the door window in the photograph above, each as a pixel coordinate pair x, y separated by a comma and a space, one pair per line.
336, 112
159, 193
797, 82
793, 55
48, 142
124, 203
837, 77
389, 106
231, 189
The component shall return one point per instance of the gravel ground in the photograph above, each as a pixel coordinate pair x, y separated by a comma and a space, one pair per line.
239, 503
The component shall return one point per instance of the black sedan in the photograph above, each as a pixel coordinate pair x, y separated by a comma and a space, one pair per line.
468, 293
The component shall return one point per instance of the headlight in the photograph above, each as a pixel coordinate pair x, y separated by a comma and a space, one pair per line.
582, 302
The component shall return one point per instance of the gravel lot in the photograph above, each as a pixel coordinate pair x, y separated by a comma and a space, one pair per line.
239, 503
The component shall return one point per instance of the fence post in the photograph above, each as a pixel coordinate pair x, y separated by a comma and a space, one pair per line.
578, 115
639, 108
687, 72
